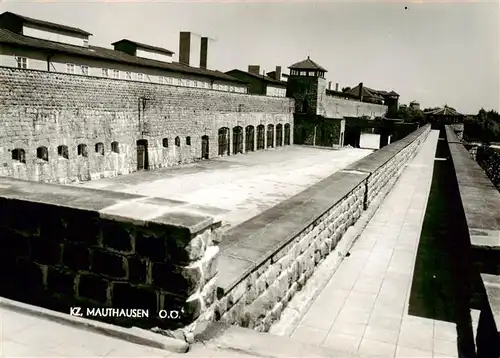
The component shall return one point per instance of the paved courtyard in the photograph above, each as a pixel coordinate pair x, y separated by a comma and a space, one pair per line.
242, 185
364, 307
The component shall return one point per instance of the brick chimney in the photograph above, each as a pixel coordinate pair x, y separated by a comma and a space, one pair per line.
361, 91
330, 85
337, 87
255, 69
277, 74
204, 52
184, 47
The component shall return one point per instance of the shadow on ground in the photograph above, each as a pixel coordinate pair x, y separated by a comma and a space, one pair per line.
441, 287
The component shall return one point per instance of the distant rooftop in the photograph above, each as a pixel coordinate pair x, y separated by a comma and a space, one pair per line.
445, 111
369, 92
307, 64
261, 77
145, 46
28, 20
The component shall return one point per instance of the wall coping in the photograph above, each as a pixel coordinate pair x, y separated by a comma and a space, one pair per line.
492, 286
136, 209
377, 159
251, 244
480, 198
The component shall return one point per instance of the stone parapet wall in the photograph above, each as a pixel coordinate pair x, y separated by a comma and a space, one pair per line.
64, 246
481, 207
46, 109
266, 260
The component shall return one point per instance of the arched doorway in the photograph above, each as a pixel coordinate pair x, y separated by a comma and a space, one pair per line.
224, 141
287, 134
261, 137
142, 154
279, 135
249, 138
237, 140
205, 149
270, 136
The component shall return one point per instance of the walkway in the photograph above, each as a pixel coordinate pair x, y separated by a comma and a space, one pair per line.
364, 307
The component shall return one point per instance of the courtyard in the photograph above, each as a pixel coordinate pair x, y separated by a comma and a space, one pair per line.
240, 186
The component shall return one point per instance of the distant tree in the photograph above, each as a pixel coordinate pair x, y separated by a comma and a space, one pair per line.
410, 115
345, 89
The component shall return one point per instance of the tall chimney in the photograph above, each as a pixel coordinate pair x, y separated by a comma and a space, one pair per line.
255, 69
337, 87
361, 91
330, 85
185, 47
204, 52
278, 73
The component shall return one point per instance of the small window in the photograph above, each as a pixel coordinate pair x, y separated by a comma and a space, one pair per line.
62, 152
177, 142
116, 74
161, 79
105, 72
42, 153
115, 147
85, 43
22, 62
82, 150
70, 68
165, 142
139, 77
99, 148
19, 156
188, 140
85, 70
195, 83
128, 75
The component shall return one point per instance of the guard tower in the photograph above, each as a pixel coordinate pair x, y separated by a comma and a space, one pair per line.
306, 84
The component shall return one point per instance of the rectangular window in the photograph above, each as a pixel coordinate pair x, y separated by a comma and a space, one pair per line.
195, 83
139, 77
116, 74
22, 62
161, 79
85, 43
105, 72
70, 68
128, 75
85, 70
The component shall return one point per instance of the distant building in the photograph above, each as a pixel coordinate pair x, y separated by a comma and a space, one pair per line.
414, 105
365, 94
278, 74
29, 43
259, 83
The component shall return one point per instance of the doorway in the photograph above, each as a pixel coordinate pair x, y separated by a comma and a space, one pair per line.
142, 154
204, 147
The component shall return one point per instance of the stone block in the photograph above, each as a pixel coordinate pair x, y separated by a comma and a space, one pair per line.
76, 256
93, 288
272, 273
137, 270
151, 246
108, 264
60, 282
117, 236
126, 295
45, 252
183, 281
276, 311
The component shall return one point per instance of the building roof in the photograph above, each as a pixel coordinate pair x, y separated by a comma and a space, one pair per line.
145, 46
260, 77
47, 24
330, 92
445, 111
307, 64
369, 92
101, 53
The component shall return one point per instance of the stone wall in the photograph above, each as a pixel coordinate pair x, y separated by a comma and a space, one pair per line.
64, 246
318, 131
480, 201
62, 112
266, 260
